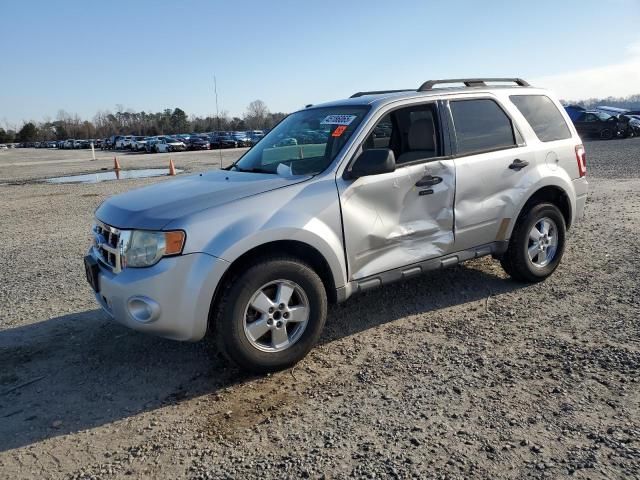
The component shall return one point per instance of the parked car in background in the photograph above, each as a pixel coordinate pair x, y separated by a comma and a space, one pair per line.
123, 142
150, 144
255, 136
222, 140
109, 143
597, 124
625, 128
68, 144
242, 139
198, 143
633, 124
574, 111
139, 144
168, 144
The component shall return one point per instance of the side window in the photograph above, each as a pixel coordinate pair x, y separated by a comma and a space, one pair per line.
381, 135
481, 126
411, 132
590, 117
543, 116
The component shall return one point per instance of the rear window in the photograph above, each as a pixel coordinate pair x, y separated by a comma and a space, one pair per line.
543, 116
481, 126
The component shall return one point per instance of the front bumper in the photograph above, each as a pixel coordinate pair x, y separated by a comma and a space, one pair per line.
581, 187
170, 299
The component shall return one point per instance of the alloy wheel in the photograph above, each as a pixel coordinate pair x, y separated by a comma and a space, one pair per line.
276, 316
543, 242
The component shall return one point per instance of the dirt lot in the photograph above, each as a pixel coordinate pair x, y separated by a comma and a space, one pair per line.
459, 374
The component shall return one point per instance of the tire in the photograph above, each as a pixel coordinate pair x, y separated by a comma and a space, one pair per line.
606, 134
517, 262
260, 352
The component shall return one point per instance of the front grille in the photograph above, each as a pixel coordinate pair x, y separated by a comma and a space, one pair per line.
107, 246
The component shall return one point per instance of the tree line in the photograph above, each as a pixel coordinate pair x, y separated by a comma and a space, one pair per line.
631, 102
167, 122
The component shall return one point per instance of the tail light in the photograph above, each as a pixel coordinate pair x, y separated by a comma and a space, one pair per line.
581, 158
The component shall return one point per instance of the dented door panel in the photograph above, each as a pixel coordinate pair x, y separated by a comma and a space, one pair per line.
389, 224
488, 192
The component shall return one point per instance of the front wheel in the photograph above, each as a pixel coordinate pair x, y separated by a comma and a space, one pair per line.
271, 315
536, 245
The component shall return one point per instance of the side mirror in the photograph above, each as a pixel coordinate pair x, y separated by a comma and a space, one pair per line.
373, 161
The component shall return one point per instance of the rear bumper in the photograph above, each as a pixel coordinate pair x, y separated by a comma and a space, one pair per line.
170, 299
581, 187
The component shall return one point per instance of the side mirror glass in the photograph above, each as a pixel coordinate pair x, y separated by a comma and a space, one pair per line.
373, 161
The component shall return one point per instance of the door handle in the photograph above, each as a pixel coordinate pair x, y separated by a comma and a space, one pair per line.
428, 181
518, 164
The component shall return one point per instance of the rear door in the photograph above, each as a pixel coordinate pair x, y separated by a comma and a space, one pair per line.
491, 161
396, 219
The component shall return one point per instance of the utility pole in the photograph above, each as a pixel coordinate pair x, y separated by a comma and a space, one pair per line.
215, 90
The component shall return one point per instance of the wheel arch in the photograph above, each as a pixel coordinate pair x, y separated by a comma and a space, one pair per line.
553, 194
288, 248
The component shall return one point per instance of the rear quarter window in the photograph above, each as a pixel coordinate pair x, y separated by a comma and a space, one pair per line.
543, 116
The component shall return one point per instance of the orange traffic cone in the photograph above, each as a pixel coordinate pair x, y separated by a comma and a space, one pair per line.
172, 168
116, 164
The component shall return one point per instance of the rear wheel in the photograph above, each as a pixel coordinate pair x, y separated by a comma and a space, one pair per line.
606, 134
536, 245
271, 315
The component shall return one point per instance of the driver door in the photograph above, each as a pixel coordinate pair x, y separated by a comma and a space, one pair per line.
391, 220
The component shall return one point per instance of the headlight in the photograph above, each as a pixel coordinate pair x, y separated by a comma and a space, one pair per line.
146, 248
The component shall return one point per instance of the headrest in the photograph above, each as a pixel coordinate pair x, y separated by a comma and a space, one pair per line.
421, 135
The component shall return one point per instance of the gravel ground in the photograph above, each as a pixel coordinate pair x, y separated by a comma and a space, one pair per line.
461, 373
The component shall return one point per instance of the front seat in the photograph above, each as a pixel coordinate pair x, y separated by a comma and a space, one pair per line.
421, 141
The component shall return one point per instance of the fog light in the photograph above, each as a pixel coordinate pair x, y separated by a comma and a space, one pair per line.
143, 309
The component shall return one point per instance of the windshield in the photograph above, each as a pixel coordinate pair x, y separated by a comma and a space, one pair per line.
304, 143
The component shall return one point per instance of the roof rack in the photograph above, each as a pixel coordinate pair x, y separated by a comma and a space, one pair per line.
378, 92
429, 84
471, 82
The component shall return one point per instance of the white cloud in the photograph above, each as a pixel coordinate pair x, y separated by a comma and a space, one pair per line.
618, 80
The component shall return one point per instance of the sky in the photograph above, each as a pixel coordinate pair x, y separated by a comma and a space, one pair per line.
85, 57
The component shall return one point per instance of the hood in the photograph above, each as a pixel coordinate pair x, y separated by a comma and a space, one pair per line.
153, 207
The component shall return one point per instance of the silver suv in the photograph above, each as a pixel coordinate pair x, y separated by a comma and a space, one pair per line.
337, 199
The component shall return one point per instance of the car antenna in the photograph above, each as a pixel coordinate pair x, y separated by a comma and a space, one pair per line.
215, 90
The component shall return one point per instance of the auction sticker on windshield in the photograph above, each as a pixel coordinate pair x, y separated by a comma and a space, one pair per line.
338, 120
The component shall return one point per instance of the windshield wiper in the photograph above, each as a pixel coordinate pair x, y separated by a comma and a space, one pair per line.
253, 170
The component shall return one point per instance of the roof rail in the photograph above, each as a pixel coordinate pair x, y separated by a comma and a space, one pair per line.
471, 82
378, 92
